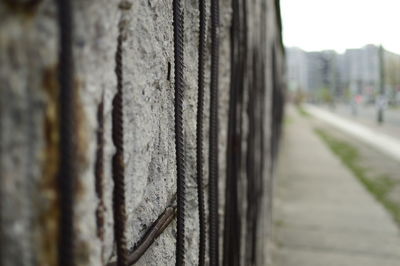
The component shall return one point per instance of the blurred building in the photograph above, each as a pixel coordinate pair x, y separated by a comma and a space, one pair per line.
322, 70
297, 67
342, 76
360, 71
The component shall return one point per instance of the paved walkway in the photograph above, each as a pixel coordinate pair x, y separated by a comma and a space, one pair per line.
322, 215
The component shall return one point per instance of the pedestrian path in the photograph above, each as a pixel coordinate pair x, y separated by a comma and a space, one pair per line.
322, 215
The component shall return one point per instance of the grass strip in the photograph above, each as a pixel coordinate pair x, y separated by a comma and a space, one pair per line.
302, 111
378, 186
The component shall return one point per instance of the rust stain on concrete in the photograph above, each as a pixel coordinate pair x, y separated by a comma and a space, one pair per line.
49, 214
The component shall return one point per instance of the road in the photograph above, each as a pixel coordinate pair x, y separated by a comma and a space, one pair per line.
388, 144
369, 112
367, 115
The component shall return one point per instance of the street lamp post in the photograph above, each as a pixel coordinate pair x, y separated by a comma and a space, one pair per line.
381, 98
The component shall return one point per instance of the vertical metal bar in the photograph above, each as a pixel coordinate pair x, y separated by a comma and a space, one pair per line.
199, 133
232, 236
213, 144
99, 175
67, 168
381, 100
118, 169
179, 136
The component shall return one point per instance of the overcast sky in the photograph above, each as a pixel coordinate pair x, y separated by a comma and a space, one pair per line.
339, 24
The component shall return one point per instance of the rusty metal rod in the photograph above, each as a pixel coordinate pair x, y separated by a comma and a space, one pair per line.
154, 232
213, 139
200, 133
179, 87
67, 130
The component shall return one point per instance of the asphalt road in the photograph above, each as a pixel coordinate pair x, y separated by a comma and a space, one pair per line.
369, 113
367, 116
387, 144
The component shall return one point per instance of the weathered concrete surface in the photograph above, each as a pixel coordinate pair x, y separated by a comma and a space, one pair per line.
27, 116
29, 47
29, 123
322, 214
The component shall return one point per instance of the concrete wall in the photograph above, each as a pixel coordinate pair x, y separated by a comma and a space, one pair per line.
29, 122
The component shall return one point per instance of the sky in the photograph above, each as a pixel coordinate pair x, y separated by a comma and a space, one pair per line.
315, 25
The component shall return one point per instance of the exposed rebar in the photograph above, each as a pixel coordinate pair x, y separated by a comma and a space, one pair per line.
99, 174
232, 220
118, 163
67, 168
213, 142
199, 133
179, 134
154, 232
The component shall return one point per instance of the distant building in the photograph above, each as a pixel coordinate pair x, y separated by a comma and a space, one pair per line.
322, 72
360, 71
355, 72
297, 69
392, 77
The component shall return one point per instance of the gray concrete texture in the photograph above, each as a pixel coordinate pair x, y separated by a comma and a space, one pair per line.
322, 213
29, 123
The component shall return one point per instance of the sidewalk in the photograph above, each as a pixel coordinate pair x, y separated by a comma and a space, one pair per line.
322, 215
